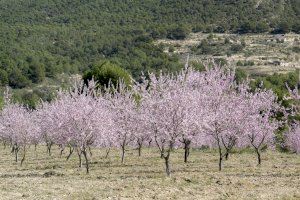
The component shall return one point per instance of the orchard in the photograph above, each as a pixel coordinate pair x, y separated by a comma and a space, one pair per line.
165, 112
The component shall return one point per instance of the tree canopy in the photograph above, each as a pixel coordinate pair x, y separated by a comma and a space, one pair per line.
47, 37
106, 72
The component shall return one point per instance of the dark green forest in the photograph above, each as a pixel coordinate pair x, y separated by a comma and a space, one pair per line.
43, 38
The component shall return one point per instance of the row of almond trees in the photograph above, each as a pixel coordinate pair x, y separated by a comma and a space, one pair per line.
188, 109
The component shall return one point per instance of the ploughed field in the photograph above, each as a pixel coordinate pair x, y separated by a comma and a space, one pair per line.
51, 177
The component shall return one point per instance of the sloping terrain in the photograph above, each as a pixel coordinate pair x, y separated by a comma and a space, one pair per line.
48, 37
257, 54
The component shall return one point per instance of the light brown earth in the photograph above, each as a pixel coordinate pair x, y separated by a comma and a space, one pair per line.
265, 50
44, 177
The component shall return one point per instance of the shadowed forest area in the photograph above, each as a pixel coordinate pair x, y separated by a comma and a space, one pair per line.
41, 39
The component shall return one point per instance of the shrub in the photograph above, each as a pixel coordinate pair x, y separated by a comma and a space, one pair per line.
105, 72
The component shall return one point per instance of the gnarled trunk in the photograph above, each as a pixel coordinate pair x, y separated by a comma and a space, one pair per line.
49, 146
258, 156
186, 154
186, 149
220, 162
140, 151
149, 143
71, 150
16, 155
227, 155
90, 151
61, 151
167, 158
123, 154
24, 154
107, 153
257, 147
167, 164
15, 149
220, 155
79, 157
86, 161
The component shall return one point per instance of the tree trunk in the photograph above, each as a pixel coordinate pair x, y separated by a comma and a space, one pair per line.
86, 161
49, 145
79, 157
220, 158
149, 143
107, 152
167, 157
168, 171
220, 163
90, 151
186, 150
258, 157
162, 152
16, 153
24, 154
61, 151
70, 153
123, 154
186, 154
227, 155
35, 147
140, 150
13, 149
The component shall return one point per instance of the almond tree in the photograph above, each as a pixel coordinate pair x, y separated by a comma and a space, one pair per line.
218, 103
293, 138
229, 114
167, 110
141, 126
123, 106
261, 123
294, 94
18, 127
293, 135
50, 117
295, 97
80, 118
140, 134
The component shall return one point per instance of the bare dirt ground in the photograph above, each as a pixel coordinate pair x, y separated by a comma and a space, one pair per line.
44, 177
269, 53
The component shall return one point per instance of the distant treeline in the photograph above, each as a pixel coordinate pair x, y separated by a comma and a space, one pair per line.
44, 38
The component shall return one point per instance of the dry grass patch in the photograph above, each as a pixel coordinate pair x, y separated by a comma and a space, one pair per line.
269, 53
44, 177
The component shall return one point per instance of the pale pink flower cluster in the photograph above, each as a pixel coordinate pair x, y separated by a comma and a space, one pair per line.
293, 138
293, 135
169, 111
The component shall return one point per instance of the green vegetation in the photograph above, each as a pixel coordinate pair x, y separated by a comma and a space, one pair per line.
216, 47
45, 38
257, 54
106, 72
278, 83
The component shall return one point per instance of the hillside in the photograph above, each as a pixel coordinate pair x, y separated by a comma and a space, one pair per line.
258, 54
44, 38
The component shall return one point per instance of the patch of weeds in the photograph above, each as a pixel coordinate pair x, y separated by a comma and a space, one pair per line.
52, 173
